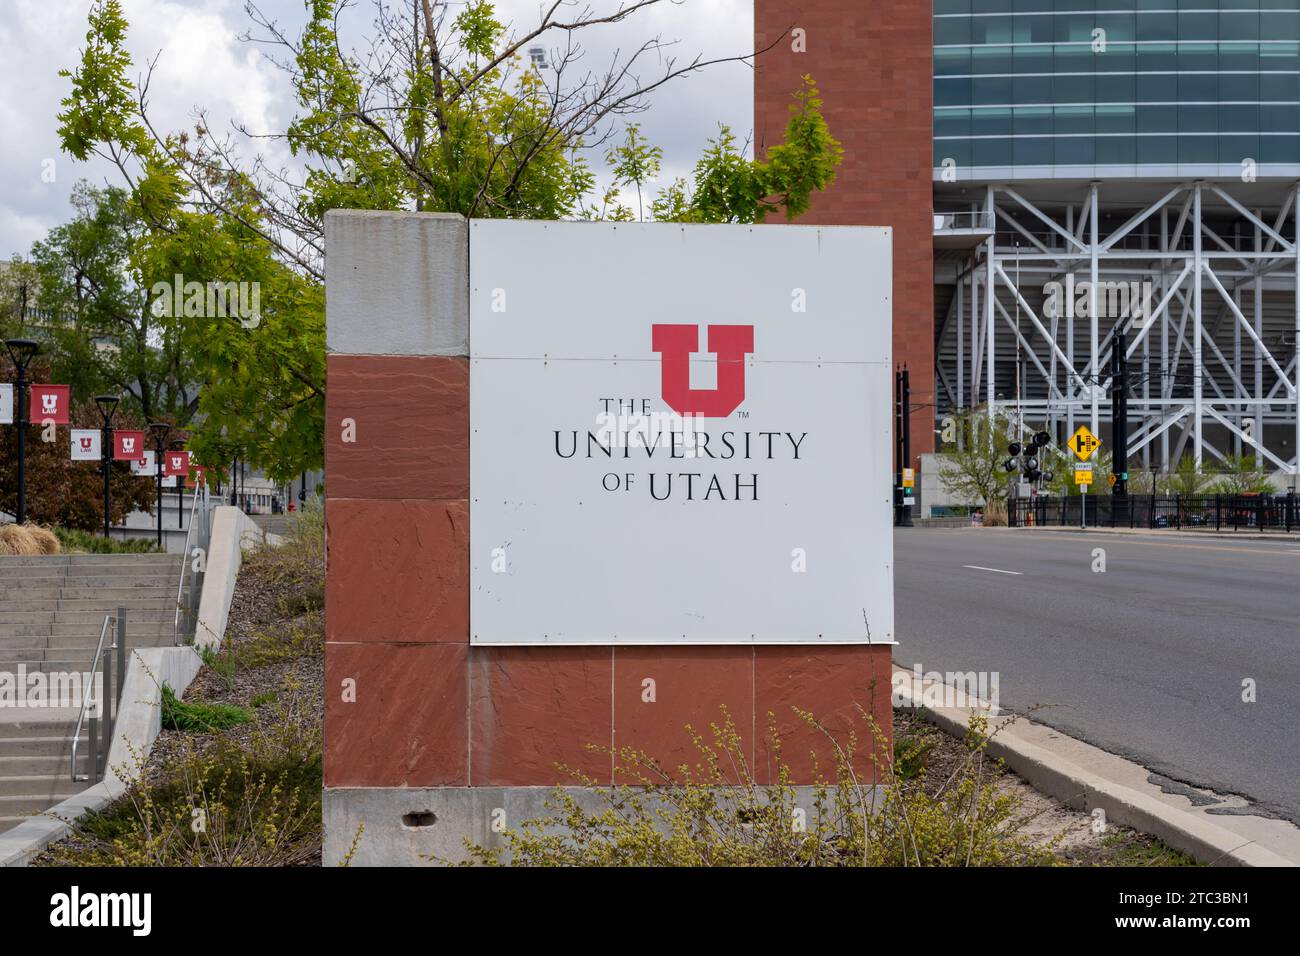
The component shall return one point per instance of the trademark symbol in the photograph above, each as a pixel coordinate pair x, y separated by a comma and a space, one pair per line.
742, 414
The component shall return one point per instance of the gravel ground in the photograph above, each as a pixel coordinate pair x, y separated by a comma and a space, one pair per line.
261, 594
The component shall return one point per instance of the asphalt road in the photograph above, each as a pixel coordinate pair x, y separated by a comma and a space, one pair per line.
1145, 660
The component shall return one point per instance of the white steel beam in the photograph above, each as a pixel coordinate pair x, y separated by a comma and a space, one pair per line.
1198, 369
1093, 251
1043, 217
1222, 420
1250, 217
1139, 218
1259, 343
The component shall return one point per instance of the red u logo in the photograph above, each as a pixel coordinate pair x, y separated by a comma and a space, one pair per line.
730, 343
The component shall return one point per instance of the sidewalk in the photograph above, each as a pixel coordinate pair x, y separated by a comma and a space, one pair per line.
1279, 536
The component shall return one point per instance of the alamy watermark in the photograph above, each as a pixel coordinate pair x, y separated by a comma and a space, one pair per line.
210, 300
37, 689
1115, 300
937, 689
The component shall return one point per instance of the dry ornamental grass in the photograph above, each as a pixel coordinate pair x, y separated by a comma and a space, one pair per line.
27, 539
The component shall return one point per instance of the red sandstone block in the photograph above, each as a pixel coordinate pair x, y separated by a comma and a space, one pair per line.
532, 708
408, 725
411, 416
689, 685
831, 683
398, 571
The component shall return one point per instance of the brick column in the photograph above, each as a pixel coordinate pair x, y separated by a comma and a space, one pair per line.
873, 65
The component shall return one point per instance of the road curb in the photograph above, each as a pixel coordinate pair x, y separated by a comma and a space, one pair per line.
1083, 789
1280, 536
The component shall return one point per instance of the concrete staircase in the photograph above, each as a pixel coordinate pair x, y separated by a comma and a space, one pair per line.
51, 612
273, 524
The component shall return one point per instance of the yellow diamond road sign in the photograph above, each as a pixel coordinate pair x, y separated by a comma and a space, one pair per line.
1084, 443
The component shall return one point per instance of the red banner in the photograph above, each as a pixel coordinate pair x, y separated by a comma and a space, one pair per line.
49, 403
197, 478
128, 446
176, 463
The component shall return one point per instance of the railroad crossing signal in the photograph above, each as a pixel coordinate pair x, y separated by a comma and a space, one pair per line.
1084, 443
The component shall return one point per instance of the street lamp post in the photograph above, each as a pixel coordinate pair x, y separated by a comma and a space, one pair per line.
22, 351
107, 407
159, 431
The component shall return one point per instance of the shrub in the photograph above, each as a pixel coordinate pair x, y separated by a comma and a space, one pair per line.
178, 714
297, 562
255, 802
702, 817
75, 541
303, 637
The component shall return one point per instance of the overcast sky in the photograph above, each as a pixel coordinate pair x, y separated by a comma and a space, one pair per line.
202, 62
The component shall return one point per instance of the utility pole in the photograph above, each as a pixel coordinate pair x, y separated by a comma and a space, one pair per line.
902, 447
1119, 419
21, 352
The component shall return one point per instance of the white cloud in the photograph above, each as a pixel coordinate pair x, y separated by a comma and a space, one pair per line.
202, 63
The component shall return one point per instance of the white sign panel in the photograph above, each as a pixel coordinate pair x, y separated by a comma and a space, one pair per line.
86, 444
6, 404
680, 434
148, 465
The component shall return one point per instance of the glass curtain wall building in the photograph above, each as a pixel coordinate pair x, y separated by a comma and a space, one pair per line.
1060, 84
1145, 145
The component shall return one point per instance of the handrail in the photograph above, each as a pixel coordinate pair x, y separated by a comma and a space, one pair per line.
185, 562
81, 715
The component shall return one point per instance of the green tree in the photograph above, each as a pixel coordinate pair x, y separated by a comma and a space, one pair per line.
1061, 461
441, 111
96, 323
974, 448
1239, 475
1186, 479
635, 163
19, 289
729, 187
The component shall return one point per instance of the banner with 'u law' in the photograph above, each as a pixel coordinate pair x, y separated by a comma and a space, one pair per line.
128, 445
176, 463
6, 404
49, 404
146, 466
86, 444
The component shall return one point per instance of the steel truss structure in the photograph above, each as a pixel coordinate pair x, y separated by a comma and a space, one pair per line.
1212, 363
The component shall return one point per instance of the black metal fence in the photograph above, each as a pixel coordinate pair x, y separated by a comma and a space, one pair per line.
1203, 512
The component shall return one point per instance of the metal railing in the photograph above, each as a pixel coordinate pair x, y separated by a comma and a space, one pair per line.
107, 704
1246, 512
961, 220
198, 533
